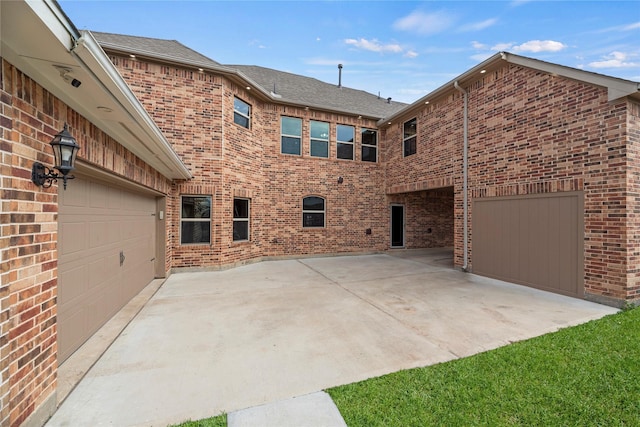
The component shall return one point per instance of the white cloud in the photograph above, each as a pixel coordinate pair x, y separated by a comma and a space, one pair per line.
411, 54
634, 26
615, 60
477, 26
374, 45
481, 56
501, 46
424, 23
479, 46
540, 46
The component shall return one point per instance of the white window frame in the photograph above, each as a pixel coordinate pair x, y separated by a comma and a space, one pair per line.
362, 131
284, 135
311, 211
247, 219
240, 113
407, 138
195, 219
320, 139
352, 143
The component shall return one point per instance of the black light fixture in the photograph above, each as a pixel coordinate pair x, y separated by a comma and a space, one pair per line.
65, 148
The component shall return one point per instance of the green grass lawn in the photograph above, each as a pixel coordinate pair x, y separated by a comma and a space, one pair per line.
588, 375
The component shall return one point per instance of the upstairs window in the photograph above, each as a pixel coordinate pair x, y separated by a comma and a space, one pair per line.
291, 129
241, 113
346, 138
369, 145
410, 137
240, 220
195, 220
313, 211
319, 139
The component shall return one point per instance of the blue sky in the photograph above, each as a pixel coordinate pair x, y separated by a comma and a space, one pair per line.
400, 49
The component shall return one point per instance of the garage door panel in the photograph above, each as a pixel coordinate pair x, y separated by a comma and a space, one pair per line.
98, 221
532, 240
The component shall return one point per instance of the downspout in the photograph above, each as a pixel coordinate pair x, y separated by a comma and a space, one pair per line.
465, 167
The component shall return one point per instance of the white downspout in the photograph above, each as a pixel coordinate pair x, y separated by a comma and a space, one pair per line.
465, 167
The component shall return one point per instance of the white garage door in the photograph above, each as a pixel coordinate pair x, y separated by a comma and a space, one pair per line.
106, 250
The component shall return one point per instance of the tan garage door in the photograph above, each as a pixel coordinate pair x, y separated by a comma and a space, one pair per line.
106, 251
533, 240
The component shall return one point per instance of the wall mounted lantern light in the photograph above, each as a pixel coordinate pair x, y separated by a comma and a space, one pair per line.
65, 148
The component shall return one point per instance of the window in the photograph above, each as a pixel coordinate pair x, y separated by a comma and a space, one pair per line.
369, 145
291, 135
410, 137
313, 211
241, 113
195, 220
240, 219
346, 136
319, 139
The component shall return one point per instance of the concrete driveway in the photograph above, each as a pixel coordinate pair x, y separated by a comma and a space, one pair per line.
209, 342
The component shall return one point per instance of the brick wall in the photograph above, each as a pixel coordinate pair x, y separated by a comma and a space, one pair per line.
30, 116
530, 132
195, 111
633, 201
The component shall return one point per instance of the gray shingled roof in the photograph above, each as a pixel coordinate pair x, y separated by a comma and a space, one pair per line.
313, 92
292, 88
164, 49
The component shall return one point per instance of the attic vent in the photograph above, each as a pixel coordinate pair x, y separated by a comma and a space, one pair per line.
389, 100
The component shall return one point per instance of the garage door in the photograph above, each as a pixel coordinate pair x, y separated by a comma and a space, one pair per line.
106, 250
534, 240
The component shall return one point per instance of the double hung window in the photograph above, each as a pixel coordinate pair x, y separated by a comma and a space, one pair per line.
313, 212
195, 220
241, 113
346, 139
291, 135
369, 145
319, 139
410, 137
240, 220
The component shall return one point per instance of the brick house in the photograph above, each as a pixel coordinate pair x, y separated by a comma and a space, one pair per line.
527, 170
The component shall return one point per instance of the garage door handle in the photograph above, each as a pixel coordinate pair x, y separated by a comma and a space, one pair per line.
121, 258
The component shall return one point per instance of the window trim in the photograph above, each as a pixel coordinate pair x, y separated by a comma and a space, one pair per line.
206, 219
352, 143
406, 139
362, 145
323, 211
312, 139
299, 137
247, 219
239, 113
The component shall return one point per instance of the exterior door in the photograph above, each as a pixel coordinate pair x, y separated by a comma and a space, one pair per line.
397, 226
106, 255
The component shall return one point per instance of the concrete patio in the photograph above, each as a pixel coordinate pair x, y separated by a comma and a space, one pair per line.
212, 342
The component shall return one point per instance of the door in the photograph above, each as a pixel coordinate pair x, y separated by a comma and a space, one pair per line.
106, 255
397, 226
534, 240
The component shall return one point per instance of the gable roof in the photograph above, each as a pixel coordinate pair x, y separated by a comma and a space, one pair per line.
277, 86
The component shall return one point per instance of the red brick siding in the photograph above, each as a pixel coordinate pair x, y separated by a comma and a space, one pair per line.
30, 117
530, 132
195, 110
633, 201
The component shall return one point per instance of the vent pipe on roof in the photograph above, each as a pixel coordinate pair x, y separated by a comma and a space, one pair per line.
339, 75
389, 100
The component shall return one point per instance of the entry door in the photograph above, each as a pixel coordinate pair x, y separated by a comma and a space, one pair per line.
397, 226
